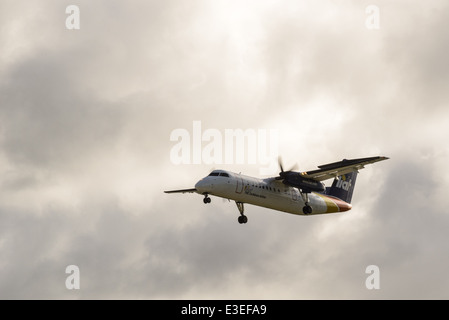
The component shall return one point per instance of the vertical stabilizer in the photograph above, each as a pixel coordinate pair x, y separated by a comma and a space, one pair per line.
343, 187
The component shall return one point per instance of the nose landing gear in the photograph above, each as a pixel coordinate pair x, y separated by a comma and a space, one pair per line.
206, 199
242, 218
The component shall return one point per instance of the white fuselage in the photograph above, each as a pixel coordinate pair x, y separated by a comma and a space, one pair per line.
268, 193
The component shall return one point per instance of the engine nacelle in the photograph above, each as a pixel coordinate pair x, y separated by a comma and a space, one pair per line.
295, 179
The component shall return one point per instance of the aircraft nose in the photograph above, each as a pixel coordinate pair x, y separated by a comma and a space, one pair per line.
202, 186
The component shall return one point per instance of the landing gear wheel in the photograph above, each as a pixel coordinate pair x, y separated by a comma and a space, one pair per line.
206, 199
307, 209
242, 219
305, 196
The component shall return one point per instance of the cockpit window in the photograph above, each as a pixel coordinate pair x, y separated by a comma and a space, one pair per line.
221, 174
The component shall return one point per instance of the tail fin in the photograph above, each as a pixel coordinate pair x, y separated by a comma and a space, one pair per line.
343, 187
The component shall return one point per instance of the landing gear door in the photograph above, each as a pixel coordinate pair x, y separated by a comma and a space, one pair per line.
294, 194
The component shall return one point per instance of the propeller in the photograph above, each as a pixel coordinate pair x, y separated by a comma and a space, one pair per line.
283, 173
298, 180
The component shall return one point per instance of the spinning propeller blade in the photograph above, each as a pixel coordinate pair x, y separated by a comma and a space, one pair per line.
282, 173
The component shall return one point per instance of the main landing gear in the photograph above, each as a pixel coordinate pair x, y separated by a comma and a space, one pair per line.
242, 218
307, 209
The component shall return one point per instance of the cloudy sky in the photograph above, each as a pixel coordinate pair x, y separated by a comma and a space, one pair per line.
85, 122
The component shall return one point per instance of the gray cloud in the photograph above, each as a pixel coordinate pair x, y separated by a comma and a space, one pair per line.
48, 122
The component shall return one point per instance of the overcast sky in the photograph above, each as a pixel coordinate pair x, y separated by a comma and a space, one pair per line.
85, 122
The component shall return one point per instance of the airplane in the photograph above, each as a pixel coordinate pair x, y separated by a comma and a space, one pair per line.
299, 193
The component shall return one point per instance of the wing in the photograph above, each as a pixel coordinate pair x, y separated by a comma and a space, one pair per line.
335, 169
182, 191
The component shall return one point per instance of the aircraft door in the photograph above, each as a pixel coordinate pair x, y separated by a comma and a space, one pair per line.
239, 187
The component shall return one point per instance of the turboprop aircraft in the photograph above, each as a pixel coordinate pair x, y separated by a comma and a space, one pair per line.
300, 193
